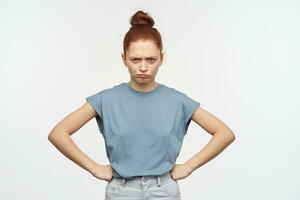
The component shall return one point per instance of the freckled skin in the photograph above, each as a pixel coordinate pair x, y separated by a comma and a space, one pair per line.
143, 57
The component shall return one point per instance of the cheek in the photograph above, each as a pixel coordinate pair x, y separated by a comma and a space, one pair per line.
156, 67
132, 68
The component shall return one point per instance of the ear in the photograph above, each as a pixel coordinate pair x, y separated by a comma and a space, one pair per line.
162, 56
124, 59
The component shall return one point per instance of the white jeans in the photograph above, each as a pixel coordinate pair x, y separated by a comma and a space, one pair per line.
162, 187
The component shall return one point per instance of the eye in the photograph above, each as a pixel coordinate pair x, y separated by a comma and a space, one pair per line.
134, 60
151, 60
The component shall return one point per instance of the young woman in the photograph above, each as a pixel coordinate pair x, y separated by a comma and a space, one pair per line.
143, 123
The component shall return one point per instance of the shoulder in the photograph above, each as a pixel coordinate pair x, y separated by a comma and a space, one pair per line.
186, 99
175, 92
106, 91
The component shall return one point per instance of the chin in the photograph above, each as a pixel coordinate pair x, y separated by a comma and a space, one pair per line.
143, 81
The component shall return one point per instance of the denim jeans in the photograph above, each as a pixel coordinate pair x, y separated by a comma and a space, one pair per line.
162, 187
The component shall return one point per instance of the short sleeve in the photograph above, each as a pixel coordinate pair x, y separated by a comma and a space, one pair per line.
189, 107
96, 102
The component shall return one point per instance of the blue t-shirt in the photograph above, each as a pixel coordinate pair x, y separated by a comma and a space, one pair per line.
143, 131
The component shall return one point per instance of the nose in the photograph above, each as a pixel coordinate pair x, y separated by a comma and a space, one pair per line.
143, 66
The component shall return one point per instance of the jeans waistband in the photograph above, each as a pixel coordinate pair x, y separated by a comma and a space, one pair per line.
143, 180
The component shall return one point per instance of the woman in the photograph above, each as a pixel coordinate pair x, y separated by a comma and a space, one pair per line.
143, 123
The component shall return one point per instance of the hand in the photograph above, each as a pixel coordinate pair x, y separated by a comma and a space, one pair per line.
102, 172
180, 171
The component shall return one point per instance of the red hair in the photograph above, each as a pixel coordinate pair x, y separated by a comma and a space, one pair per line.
142, 29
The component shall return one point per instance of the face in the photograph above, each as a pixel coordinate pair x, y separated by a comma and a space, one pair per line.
143, 59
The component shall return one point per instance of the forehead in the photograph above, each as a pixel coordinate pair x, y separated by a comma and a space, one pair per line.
143, 48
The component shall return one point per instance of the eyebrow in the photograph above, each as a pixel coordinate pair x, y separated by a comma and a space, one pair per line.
140, 57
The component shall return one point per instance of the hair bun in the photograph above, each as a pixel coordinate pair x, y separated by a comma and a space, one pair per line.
141, 18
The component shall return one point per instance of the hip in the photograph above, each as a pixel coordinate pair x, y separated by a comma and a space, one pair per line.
143, 187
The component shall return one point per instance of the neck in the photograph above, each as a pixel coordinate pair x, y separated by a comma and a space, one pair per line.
144, 87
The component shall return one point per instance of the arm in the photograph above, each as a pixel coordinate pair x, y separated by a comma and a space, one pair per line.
60, 137
222, 137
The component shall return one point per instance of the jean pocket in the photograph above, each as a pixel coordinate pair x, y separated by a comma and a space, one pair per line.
171, 188
112, 189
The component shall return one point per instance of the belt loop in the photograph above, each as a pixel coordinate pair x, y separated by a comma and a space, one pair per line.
158, 181
143, 180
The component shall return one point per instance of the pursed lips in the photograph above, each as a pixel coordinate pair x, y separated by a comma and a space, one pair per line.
143, 76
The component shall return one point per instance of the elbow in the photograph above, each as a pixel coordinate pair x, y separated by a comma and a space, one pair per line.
57, 134
51, 136
233, 137
230, 136
227, 134
54, 134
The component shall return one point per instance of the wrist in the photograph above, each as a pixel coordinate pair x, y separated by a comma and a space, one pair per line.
190, 167
91, 167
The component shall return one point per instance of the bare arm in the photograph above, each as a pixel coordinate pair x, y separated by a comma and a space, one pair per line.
222, 137
60, 137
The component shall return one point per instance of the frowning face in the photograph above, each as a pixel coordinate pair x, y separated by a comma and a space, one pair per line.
143, 59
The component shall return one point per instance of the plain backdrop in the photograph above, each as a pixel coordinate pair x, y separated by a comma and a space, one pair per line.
239, 59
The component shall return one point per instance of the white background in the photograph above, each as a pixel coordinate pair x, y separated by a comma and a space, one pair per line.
237, 58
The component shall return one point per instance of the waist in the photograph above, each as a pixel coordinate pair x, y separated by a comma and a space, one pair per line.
141, 180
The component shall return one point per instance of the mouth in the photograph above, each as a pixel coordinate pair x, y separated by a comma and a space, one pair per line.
143, 76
